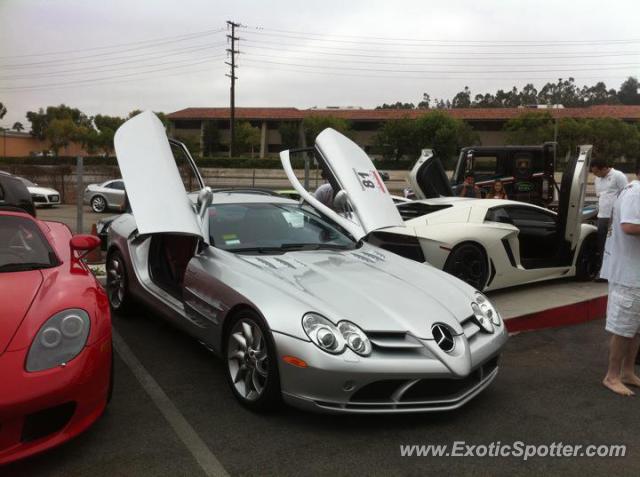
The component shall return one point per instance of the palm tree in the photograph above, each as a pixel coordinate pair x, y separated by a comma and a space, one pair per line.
17, 126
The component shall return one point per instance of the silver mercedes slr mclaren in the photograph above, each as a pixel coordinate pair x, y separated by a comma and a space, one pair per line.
294, 300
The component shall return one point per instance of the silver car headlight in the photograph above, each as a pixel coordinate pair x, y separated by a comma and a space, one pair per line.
486, 313
59, 340
355, 338
335, 338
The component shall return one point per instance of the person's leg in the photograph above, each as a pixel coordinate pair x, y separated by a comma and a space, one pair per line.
629, 375
603, 230
618, 351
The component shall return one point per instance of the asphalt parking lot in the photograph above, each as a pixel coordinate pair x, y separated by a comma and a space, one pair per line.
67, 214
548, 390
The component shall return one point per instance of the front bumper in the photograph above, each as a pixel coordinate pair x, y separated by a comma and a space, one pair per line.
44, 200
47, 408
388, 381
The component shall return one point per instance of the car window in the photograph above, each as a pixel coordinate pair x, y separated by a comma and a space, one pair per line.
23, 246
117, 185
26, 182
237, 227
498, 214
528, 216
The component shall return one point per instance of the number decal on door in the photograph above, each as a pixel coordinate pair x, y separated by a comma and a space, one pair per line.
369, 180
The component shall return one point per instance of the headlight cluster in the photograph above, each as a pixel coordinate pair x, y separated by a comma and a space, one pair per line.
485, 313
60, 339
335, 339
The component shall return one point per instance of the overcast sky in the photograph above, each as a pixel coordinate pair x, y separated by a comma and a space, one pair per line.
299, 53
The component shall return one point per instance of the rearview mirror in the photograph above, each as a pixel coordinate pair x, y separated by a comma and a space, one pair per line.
84, 242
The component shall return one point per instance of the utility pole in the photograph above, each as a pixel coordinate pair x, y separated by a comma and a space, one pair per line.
232, 51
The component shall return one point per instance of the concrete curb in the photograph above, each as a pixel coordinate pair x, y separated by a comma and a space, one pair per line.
572, 314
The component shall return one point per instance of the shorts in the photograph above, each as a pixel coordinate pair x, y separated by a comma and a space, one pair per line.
623, 310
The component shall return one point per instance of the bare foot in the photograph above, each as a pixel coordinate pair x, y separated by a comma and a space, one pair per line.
631, 380
617, 387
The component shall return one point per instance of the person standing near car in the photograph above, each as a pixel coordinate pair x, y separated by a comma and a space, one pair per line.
469, 188
609, 182
324, 193
621, 267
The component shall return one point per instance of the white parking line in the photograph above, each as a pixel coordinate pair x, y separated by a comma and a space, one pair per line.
192, 441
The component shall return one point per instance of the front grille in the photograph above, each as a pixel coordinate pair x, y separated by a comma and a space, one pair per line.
403, 392
43, 423
38, 198
54, 198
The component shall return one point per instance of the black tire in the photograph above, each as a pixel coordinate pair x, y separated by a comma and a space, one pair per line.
118, 284
588, 261
98, 204
243, 383
468, 262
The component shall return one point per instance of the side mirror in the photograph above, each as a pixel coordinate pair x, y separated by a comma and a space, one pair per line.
205, 197
84, 243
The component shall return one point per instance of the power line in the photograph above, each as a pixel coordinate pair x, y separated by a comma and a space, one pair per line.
411, 52
307, 51
546, 70
101, 68
419, 78
310, 35
187, 36
11, 88
108, 70
74, 60
465, 65
182, 72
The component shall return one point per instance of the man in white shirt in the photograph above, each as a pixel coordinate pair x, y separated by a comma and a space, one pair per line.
621, 267
609, 182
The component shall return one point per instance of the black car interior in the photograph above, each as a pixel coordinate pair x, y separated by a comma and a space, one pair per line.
169, 255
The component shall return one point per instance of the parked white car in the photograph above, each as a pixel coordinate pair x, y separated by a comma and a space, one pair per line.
488, 243
41, 196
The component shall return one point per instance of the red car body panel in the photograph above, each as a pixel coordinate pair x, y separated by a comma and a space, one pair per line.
73, 395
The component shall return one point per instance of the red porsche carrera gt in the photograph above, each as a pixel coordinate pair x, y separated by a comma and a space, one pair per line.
55, 336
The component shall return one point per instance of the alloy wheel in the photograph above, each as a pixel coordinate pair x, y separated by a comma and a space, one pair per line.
248, 359
115, 282
469, 265
98, 204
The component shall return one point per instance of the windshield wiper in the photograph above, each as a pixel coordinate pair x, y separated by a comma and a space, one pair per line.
288, 247
22, 267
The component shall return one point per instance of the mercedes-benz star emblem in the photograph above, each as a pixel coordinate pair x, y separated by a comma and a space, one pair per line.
443, 337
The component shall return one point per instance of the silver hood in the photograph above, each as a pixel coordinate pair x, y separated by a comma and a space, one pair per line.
400, 295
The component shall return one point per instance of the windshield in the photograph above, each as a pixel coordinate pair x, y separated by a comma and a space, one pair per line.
26, 182
272, 227
22, 246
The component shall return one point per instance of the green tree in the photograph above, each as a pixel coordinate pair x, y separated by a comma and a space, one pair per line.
3, 110
192, 143
443, 133
628, 93
314, 125
41, 119
247, 137
462, 99
17, 126
396, 138
60, 132
531, 127
397, 105
289, 135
